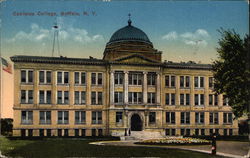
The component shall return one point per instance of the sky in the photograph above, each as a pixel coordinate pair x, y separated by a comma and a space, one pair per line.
182, 30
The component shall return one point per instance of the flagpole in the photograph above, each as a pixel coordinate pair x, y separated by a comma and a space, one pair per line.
1, 71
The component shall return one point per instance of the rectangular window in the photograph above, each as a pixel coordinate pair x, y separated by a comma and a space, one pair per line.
199, 117
199, 99
118, 117
96, 117
80, 78
44, 97
167, 99
45, 117
199, 82
216, 100
80, 117
170, 81
26, 117
96, 98
135, 97
62, 77
184, 99
185, 117
151, 78
96, 78
152, 117
80, 97
62, 97
44, 77
211, 82
151, 98
210, 97
26, 96
227, 118
62, 117
135, 78
225, 100
184, 81
170, 99
170, 117
119, 78
214, 118
99, 82
118, 97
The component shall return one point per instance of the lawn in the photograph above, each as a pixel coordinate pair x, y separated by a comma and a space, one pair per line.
81, 148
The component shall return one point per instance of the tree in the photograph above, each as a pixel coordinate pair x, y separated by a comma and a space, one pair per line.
231, 71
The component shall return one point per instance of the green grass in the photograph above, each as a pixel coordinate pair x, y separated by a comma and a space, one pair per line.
81, 148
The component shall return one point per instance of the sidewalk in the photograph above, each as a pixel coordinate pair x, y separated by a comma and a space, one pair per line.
233, 149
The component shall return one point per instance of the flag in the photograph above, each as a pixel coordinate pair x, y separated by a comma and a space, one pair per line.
6, 66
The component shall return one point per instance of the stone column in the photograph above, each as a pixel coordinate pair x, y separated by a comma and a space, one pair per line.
145, 87
112, 88
158, 89
125, 87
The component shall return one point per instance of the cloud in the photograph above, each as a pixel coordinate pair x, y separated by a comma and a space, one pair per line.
69, 33
199, 37
170, 36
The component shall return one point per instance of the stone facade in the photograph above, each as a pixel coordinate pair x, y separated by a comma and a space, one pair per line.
59, 96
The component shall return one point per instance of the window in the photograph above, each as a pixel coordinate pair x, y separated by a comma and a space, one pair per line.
170, 117
185, 117
227, 118
152, 117
80, 78
214, 118
63, 117
62, 77
27, 117
151, 98
135, 78
185, 131
225, 100
170, 81
199, 99
135, 97
80, 117
62, 97
45, 117
96, 98
119, 78
199, 117
210, 82
80, 97
184, 99
26, 96
96, 117
96, 78
210, 99
118, 97
44, 97
44, 77
27, 76
118, 118
170, 99
169, 132
216, 100
199, 82
151, 78
184, 81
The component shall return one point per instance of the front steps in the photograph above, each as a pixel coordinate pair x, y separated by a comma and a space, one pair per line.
141, 135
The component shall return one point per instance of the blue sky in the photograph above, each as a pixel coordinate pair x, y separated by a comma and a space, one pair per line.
182, 30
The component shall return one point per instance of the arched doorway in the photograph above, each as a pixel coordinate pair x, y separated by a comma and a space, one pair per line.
136, 123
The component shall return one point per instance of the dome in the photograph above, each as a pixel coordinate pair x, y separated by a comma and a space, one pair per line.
129, 33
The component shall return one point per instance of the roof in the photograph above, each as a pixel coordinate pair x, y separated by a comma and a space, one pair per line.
94, 61
129, 33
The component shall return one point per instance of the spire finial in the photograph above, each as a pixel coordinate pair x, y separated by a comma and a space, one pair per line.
129, 20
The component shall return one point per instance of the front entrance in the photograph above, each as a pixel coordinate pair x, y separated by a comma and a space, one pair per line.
136, 123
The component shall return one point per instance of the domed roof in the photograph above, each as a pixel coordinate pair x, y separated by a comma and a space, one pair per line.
129, 33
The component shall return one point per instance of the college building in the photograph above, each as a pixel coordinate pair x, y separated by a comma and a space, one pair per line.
131, 88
